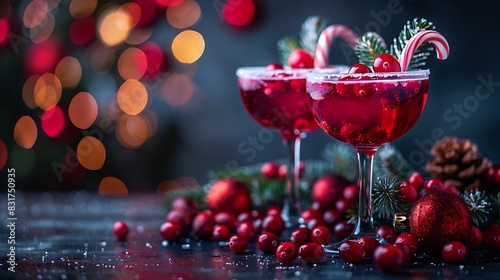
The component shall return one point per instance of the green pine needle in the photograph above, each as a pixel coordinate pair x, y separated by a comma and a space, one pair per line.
409, 30
343, 159
285, 46
310, 31
388, 161
369, 46
387, 198
479, 205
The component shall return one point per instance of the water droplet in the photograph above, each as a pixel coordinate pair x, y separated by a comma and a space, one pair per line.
164, 243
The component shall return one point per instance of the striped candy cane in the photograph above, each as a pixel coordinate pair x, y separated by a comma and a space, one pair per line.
426, 36
325, 39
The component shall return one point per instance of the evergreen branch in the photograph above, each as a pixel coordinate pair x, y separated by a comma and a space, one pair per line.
369, 46
387, 198
285, 46
310, 31
479, 206
389, 161
343, 159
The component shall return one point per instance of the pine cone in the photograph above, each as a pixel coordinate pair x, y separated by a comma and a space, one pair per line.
457, 163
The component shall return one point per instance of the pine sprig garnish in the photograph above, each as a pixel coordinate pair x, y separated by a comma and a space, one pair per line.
479, 206
285, 46
369, 46
310, 31
387, 198
409, 30
388, 161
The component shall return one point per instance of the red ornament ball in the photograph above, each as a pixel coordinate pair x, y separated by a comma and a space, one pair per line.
328, 189
440, 217
229, 195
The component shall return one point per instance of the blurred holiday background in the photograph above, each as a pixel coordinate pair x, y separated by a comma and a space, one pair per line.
123, 96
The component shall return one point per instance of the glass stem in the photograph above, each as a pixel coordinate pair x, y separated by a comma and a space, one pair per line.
292, 206
365, 219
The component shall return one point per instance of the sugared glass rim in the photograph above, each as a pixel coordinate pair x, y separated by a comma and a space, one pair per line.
260, 72
321, 75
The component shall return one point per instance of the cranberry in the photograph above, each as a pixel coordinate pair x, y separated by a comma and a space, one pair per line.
274, 224
331, 217
282, 171
386, 63
245, 216
492, 175
342, 205
454, 251
369, 244
388, 257
342, 229
300, 236
120, 229
267, 242
387, 233
300, 58
286, 252
270, 170
311, 224
203, 224
417, 180
409, 239
491, 237
352, 252
433, 184
220, 233
311, 252
247, 229
475, 238
274, 66
227, 219
238, 243
345, 89
321, 235
180, 217
451, 189
408, 192
407, 253
359, 68
351, 131
170, 231
363, 89
351, 193
273, 210
310, 214
257, 224
184, 203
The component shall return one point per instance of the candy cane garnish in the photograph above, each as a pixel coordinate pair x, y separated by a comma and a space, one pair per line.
426, 36
325, 39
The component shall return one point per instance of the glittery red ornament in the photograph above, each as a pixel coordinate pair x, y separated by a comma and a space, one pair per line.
229, 195
440, 217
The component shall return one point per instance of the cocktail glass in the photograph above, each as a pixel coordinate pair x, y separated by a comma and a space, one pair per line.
366, 111
277, 99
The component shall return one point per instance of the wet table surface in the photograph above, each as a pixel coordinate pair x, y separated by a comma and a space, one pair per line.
69, 236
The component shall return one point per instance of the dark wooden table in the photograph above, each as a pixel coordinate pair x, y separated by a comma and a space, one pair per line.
69, 236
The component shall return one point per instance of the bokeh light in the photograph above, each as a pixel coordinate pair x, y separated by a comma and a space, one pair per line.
4, 30
112, 186
148, 11
69, 72
4, 154
43, 31
155, 59
184, 15
132, 131
168, 3
42, 58
47, 91
184, 182
82, 110
53, 121
114, 26
25, 132
35, 13
28, 91
82, 8
139, 35
132, 97
177, 89
132, 64
82, 30
102, 58
134, 11
152, 122
91, 153
188, 46
238, 12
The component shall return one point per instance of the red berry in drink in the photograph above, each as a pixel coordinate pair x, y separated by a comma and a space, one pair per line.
351, 193
274, 224
369, 244
311, 252
274, 66
475, 238
417, 180
220, 233
267, 242
352, 252
359, 68
321, 235
227, 219
408, 192
433, 184
286, 252
170, 231
120, 229
270, 170
409, 239
387, 233
386, 63
342, 229
238, 243
388, 257
491, 237
300, 58
247, 229
454, 251
300, 236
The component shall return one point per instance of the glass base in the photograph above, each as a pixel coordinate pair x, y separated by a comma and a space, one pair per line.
333, 248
